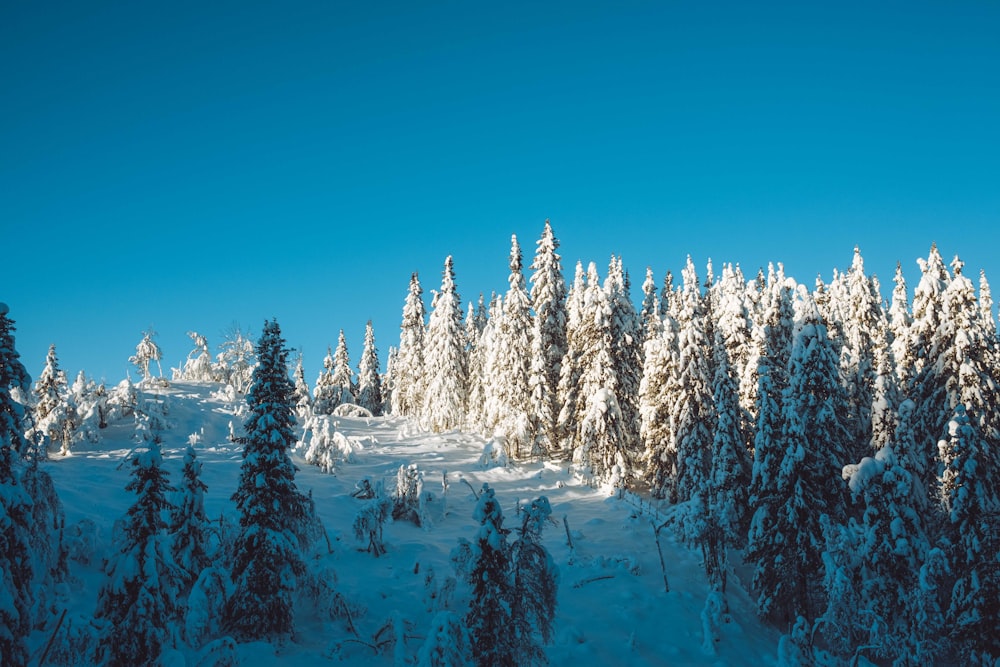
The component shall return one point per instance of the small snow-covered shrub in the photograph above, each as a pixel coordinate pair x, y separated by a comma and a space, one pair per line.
81, 541
205, 606
410, 500
494, 453
326, 446
370, 519
352, 410
219, 653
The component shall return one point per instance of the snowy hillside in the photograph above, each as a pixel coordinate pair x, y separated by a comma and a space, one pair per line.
612, 607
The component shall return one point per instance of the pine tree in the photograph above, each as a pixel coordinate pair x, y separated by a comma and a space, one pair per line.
657, 392
445, 395
343, 376
548, 338
17, 574
479, 337
369, 381
138, 599
267, 555
732, 321
303, 400
146, 351
325, 392
969, 494
693, 415
54, 414
189, 522
626, 350
511, 365
409, 376
571, 370
536, 580
447, 644
900, 321
487, 563
729, 471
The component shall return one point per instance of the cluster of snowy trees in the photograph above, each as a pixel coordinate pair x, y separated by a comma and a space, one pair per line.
849, 448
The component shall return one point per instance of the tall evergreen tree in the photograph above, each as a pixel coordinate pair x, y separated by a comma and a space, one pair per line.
626, 350
138, 599
693, 416
571, 369
267, 554
189, 523
512, 361
445, 395
487, 564
303, 400
548, 337
325, 394
369, 381
17, 576
409, 375
972, 504
55, 416
900, 321
343, 376
657, 393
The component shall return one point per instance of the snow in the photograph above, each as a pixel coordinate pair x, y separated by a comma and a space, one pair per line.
612, 608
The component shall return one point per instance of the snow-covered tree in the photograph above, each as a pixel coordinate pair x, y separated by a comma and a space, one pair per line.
787, 537
535, 585
447, 643
55, 414
369, 380
236, 360
408, 372
510, 362
267, 555
900, 321
729, 463
303, 399
324, 392
138, 599
657, 392
969, 494
548, 337
572, 404
188, 525
343, 376
626, 350
16, 558
198, 366
486, 565
693, 415
146, 351
445, 395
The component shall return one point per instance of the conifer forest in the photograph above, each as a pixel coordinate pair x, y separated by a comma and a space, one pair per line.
825, 455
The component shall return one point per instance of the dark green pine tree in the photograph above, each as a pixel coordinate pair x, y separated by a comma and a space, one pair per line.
189, 522
536, 583
490, 618
267, 555
972, 510
138, 599
16, 573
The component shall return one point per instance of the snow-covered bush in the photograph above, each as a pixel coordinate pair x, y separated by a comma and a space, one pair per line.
495, 453
205, 605
409, 499
326, 447
371, 517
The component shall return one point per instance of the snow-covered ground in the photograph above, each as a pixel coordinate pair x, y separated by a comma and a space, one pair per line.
612, 607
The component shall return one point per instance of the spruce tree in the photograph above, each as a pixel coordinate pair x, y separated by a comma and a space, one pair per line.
369, 381
656, 398
972, 507
267, 554
626, 350
445, 394
693, 415
325, 395
303, 400
900, 321
54, 413
536, 581
548, 338
343, 376
16, 558
409, 376
512, 361
138, 599
189, 522
571, 369
487, 563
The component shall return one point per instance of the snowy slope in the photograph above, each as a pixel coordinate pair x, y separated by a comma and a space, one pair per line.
612, 607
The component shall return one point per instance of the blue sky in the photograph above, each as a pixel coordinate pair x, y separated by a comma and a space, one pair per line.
190, 165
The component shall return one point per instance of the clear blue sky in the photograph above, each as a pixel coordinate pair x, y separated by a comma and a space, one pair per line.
188, 165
